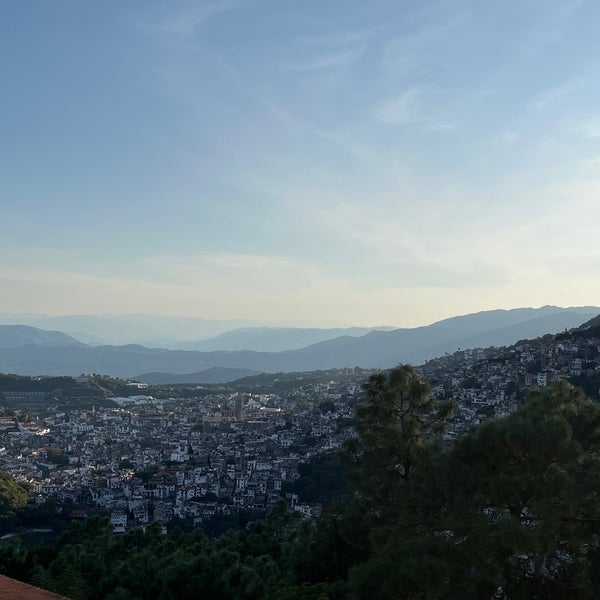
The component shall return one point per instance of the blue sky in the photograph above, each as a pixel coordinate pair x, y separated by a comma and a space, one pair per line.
322, 162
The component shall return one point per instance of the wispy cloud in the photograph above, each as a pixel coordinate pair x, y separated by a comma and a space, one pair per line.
411, 54
328, 61
346, 144
244, 262
410, 108
227, 270
550, 26
429, 36
585, 125
413, 246
337, 38
329, 50
185, 21
551, 95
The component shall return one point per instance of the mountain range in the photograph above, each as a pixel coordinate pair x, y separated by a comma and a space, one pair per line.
31, 351
149, 330
182, 333
274, 339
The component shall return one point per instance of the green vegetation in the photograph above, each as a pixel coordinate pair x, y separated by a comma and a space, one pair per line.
41, 395
60, 393
13, 496
289, 382
322, 479
511, 510
57, 456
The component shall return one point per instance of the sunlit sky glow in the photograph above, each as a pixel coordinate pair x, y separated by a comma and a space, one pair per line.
323, 162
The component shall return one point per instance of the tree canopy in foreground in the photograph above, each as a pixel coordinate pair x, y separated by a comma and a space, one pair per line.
510, 511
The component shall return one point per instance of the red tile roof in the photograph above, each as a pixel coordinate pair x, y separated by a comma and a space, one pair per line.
11, 589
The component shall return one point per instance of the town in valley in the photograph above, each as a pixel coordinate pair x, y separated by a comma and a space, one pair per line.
193, 454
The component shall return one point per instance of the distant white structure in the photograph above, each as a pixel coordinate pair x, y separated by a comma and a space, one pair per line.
132, 400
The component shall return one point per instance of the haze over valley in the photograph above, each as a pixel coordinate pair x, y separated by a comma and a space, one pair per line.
241, 352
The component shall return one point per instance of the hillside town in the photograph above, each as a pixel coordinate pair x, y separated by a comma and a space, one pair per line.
149, 459
488, 383
145, 458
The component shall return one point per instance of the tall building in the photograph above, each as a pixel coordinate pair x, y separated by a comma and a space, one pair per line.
239, 408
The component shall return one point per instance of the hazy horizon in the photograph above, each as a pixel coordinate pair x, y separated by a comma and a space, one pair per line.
331, 164
13, 318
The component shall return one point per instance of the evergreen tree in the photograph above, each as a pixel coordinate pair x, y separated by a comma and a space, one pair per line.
511, 511
398, 423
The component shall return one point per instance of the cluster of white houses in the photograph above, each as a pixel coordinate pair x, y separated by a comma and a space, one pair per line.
153, 459
491, 382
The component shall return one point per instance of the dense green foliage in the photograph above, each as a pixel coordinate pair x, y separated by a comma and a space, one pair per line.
57, 456
90, 561
13, 496
511, 510
73, 393
322, 479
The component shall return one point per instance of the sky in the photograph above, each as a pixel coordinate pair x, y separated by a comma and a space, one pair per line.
324, 162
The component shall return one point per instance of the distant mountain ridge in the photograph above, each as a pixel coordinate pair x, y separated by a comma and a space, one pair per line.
275, 339
14, 336
183, 333
376, 349
150, 330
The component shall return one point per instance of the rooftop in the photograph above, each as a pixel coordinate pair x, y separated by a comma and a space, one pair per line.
11, 589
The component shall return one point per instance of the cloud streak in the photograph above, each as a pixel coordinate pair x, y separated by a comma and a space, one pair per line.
332, 60
414, 107
187, 20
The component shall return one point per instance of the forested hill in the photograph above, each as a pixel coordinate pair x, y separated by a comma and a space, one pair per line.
38, 394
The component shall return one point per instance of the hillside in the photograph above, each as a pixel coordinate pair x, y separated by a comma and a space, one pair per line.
212, 375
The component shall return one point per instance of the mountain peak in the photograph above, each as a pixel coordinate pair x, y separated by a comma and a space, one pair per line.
15, 336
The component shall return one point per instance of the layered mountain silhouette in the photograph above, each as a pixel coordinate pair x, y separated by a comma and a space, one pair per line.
14, 336
274, 339
148, 330
376, 349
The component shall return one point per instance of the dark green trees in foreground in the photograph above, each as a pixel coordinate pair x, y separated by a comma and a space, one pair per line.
509, 511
